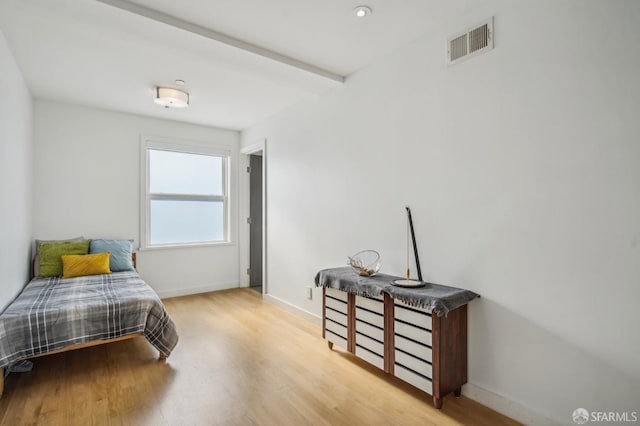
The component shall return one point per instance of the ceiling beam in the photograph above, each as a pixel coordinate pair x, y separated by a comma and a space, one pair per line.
220, 37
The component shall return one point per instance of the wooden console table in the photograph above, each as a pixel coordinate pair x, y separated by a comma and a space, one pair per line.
411, 343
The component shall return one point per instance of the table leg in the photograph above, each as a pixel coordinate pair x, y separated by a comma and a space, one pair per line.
437, 402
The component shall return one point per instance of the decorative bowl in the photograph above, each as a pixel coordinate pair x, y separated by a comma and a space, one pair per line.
365, 263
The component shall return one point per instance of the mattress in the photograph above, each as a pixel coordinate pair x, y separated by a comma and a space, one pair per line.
53, 313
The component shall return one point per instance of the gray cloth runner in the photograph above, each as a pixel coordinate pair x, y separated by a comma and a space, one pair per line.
436, 298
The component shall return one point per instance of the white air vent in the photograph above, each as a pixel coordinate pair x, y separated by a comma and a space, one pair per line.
470, 42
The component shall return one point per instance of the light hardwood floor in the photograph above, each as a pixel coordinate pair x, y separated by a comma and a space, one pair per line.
240, 361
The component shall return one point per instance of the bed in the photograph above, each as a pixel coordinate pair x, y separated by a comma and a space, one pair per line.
57, 314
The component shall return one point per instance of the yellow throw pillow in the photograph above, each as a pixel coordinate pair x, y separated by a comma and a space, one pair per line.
85, 264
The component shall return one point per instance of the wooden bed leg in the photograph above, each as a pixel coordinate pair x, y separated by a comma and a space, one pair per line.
162, 357
330, 345
458, 392
1, 381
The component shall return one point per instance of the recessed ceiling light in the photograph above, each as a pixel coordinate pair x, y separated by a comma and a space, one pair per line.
362, 11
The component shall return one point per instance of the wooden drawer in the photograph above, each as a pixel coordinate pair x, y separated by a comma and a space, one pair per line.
413, 363
413, 348
337, 317
371, 344
336, 305
336, 340
374, 304
419, 318
370, 357
418, 334
370, 317
337, 294
414, 379
336, 329
398, 339
369, 330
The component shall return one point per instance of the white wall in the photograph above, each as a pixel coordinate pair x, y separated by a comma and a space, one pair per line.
87, 182
16, 171
522, 168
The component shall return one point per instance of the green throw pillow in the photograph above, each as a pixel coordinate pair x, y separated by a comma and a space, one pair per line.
51, 255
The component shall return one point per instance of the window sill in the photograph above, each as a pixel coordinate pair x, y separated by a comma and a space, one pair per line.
186, 246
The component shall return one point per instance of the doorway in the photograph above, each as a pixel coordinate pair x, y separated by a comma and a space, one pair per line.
255, 222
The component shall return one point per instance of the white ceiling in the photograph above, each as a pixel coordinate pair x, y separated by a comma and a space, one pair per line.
91, 53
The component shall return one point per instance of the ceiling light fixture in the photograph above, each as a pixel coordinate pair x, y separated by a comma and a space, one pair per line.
171, 98
362, 11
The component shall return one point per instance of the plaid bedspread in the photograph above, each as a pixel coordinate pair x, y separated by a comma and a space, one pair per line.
52, 313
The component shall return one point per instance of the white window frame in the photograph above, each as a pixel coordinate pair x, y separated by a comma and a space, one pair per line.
188, 147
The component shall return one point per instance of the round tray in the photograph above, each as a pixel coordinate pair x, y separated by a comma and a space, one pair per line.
408, 283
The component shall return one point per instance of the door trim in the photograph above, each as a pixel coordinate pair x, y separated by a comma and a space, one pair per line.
260, 145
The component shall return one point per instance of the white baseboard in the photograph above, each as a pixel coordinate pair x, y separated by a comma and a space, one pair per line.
164, 294
506, 406
293, 308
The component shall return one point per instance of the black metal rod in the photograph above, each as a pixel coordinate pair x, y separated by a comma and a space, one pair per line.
415, 246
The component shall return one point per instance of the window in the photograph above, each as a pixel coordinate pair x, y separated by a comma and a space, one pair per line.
186, 199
